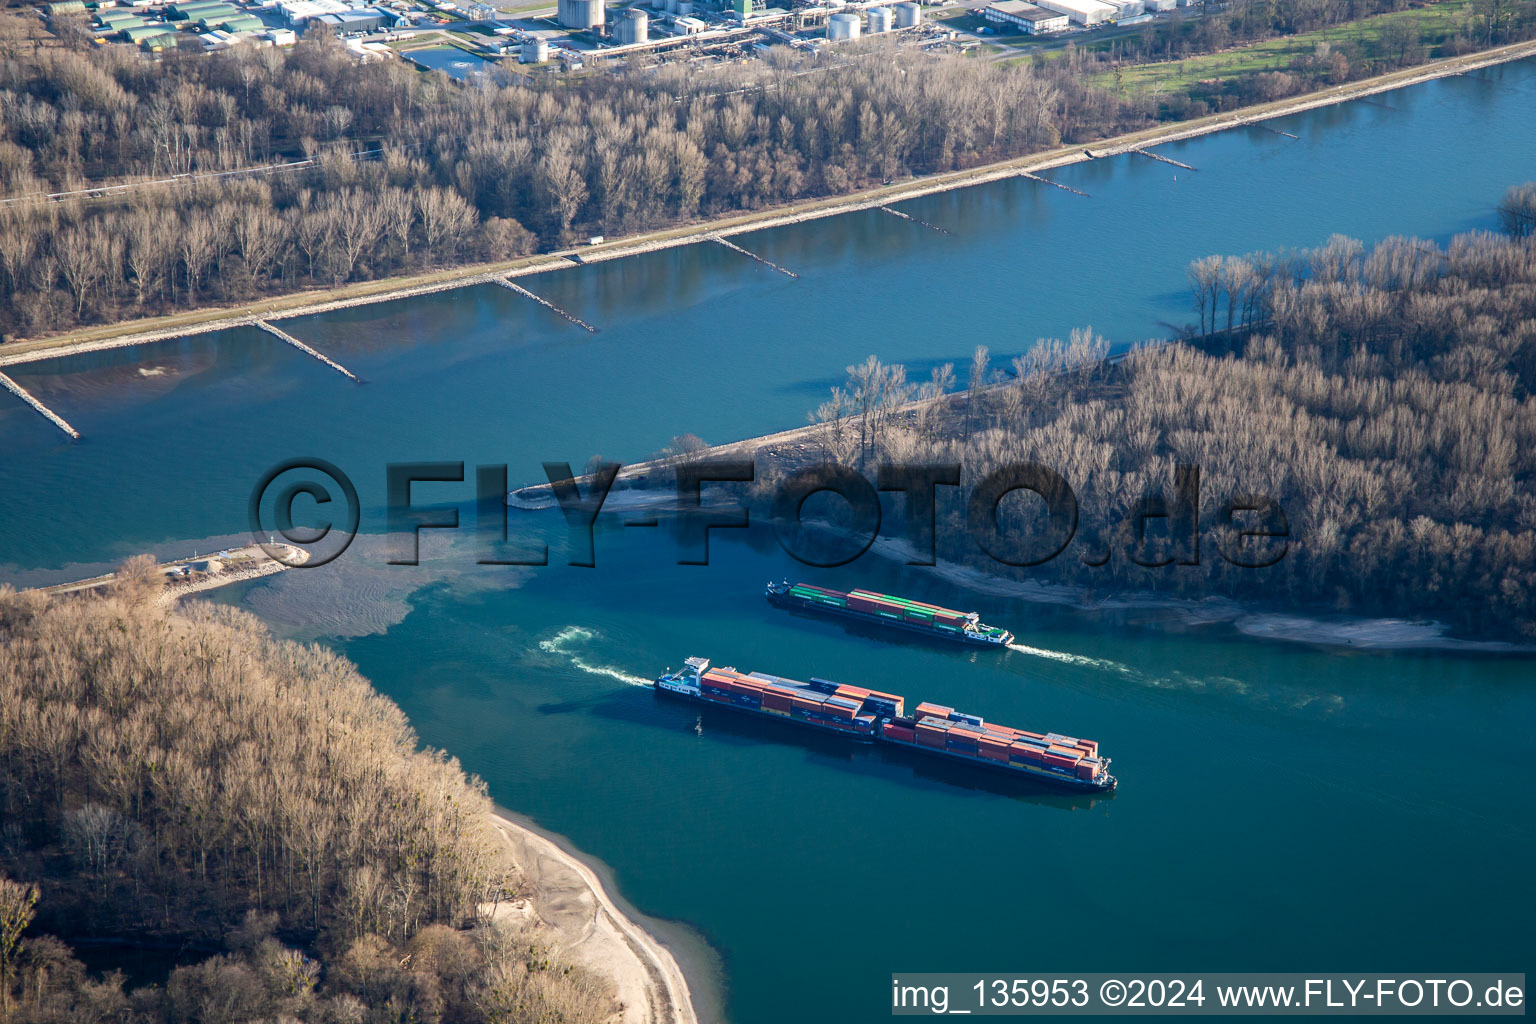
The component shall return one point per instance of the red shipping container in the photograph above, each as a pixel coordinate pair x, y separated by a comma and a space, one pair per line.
900, 732
994, 753
936, 710
930, 738
1028, 753
1087, 769
1060, 762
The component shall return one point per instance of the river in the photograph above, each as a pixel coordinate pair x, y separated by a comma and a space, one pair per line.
1282, 807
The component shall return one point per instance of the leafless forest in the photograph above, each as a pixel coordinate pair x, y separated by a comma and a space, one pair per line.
186, 778
411, 171
1383, 398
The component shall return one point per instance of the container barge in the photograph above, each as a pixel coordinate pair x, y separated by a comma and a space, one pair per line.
889, 610
871, 716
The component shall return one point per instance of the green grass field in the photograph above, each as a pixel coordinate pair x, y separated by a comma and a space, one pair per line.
1435, 24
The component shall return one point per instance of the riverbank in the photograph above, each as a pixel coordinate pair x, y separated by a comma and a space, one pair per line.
185, 576
591, 929
136, 332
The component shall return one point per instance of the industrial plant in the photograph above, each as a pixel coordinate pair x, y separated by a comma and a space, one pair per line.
468, 39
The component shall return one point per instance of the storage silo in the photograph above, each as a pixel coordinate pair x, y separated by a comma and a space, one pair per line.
535, 51
633, 26
880, 20
580, 14
908, 14
684, 8
843, 26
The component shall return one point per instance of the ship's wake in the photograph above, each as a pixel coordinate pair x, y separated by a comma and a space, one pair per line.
576, 636
1066, 657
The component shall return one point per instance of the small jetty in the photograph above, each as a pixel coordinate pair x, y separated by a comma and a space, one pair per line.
283, 335
746, 252
914, 220
47, 413
511, 285
204, 572
1057, 184
1277, 131
1167, 160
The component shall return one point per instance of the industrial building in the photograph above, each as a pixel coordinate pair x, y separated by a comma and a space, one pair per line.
580, 14
297, 12
633, 26
1081, 12
355, 22
199, 11
843, 26
1127, 8
238, 23
1027, 18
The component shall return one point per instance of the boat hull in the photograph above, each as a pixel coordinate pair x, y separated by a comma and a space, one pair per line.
819, 611
761, 715
1016, 771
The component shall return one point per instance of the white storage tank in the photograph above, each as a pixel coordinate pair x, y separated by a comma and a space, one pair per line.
535, 51
684, 8
880, 20
580, 14
843, 26
908, 14
633, 26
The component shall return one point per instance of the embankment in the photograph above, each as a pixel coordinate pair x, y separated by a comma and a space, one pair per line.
137, 332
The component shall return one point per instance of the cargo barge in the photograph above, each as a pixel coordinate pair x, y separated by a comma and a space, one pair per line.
889, 610
872, 716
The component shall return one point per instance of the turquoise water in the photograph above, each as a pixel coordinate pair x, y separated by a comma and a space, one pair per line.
1282, 808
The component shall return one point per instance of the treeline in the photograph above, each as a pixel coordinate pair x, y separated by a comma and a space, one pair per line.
1383, 398
184, 778
306, 168
1392, 44
414, 170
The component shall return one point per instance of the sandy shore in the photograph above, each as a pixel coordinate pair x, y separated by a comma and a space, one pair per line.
247, 563
138, 332
591, 930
